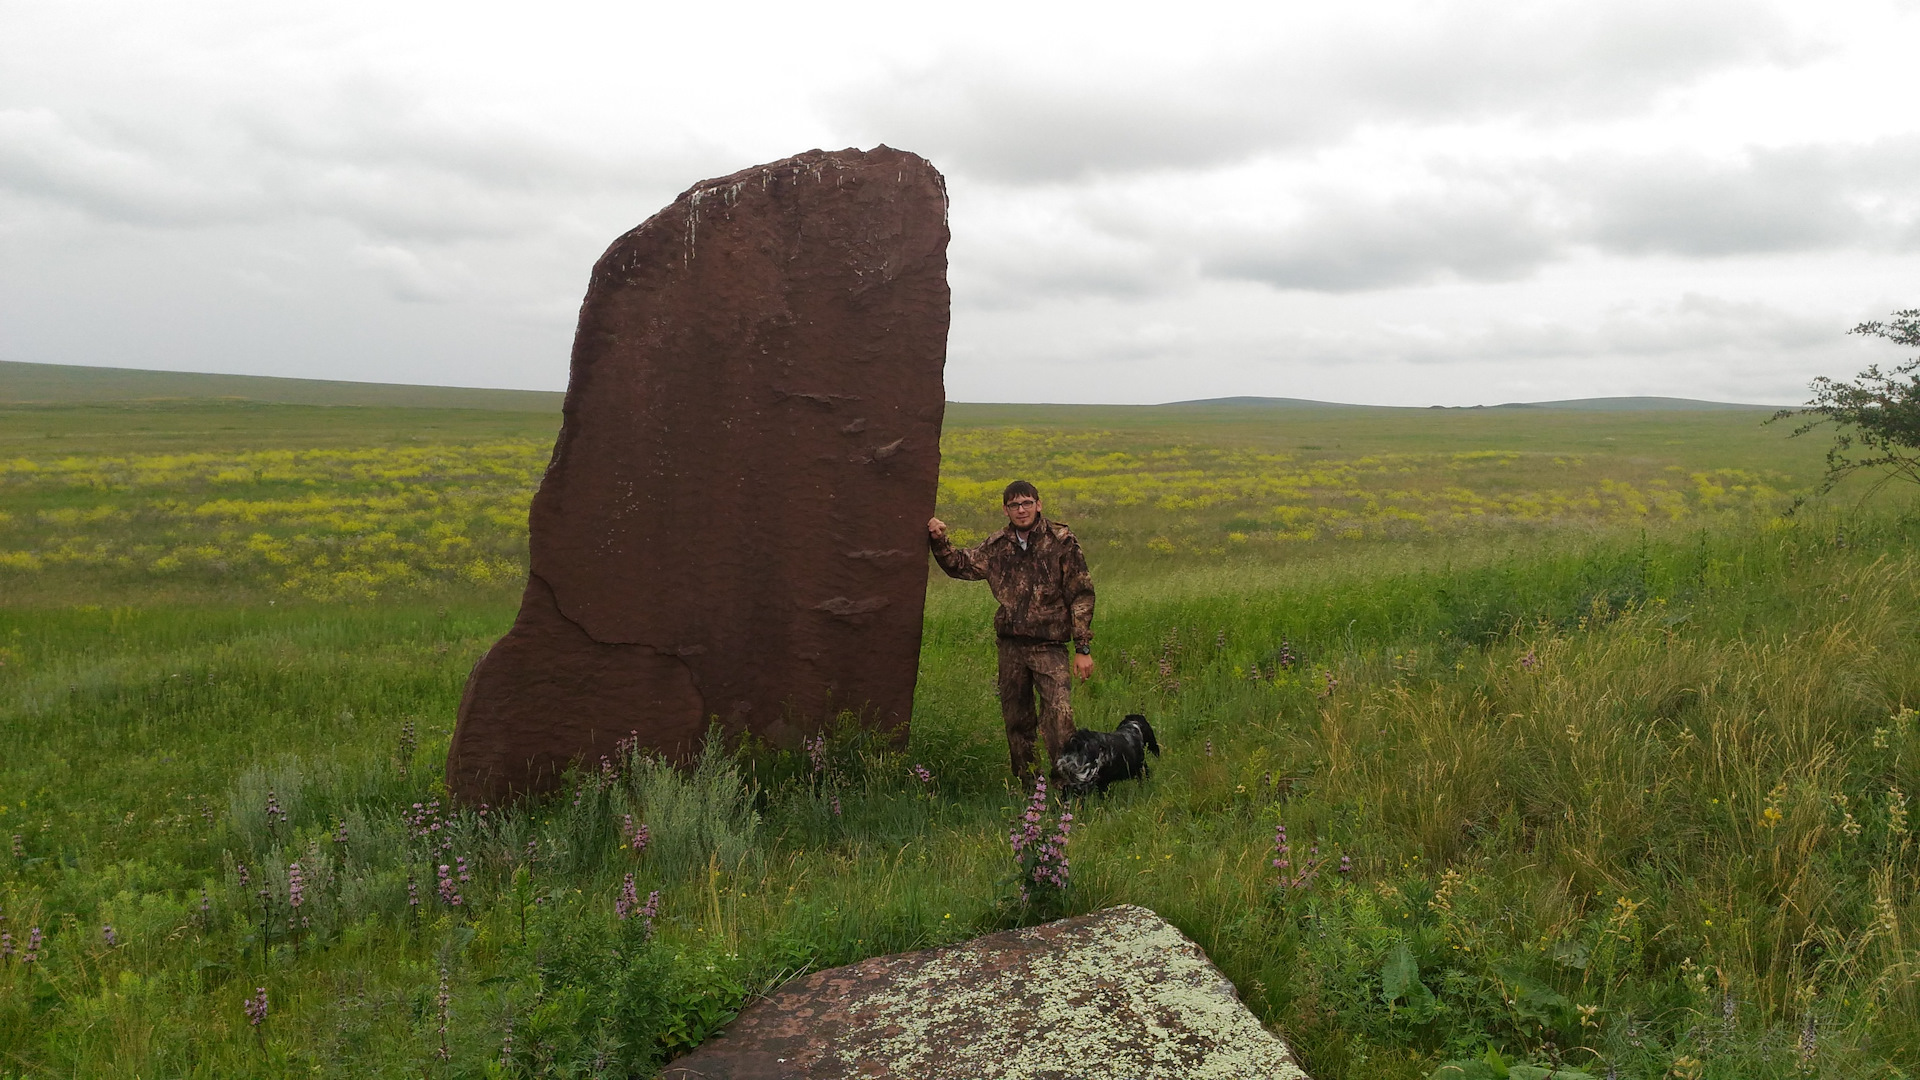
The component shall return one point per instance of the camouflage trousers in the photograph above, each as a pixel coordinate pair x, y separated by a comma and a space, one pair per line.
1028, 667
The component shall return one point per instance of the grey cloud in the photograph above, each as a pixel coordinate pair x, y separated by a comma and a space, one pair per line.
1468, 222
1696, 325
1775, 200
1470, 62
359, 152
1342, 244
45, 156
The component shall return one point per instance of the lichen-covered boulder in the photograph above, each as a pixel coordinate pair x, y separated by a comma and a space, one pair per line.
1116, 995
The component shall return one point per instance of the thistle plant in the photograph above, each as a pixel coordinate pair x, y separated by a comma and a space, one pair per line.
407, 744
629, 900
1291, 878
648, 912
449, 889
445, 1002
276, 817
1043, 867
256, 1008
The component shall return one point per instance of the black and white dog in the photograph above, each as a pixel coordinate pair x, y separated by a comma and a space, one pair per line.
1094, 759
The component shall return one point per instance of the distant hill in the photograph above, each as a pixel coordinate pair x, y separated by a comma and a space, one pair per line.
1599, 404
66, 384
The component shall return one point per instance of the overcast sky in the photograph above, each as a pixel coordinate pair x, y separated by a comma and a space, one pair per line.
1406, 204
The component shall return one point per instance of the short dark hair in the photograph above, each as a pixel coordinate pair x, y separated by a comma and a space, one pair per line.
1017, 489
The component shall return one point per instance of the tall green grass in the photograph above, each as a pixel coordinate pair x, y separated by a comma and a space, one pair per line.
1605, 802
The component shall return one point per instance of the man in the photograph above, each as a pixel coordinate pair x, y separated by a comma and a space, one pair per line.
1036, 571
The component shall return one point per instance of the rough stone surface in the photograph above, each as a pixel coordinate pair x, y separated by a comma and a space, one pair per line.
1116, 995
733, 524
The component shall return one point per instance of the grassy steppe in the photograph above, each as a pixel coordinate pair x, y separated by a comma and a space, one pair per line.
1616, 760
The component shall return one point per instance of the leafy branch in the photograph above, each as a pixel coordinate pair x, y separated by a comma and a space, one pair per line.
1876, 415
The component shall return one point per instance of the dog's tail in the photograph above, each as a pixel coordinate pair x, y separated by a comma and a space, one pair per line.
1146, 730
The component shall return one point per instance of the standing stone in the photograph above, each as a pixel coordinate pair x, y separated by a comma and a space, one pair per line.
733, 525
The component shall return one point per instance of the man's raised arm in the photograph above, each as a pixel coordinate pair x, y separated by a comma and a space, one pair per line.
962, 563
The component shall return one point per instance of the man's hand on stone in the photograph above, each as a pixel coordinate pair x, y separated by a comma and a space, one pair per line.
936, 529
1083, 666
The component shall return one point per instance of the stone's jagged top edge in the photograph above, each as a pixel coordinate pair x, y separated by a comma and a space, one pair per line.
688, 202
815, 159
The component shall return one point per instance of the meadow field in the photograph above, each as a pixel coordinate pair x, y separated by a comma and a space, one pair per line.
1579, 756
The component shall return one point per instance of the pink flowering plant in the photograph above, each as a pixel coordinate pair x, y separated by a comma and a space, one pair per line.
1042, 870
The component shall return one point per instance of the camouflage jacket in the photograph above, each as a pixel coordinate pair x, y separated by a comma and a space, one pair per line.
1044, 589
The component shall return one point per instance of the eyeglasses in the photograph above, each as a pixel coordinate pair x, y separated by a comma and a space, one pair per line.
1022, 504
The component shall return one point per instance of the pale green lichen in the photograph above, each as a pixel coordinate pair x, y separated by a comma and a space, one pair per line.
1127, 997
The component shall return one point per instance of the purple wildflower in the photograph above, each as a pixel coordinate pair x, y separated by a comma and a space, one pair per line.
1529, 661
6, 947
1026, 835
246, 878
340, 834
275, 816
445, 1001
921, 774
296, 886
256, 1006
413, 892
1346, 864
816, 752
1043, 863
112, 939
649, 910
465, 875
19, 847
628, 901
642, 836
1282, 861
836, 806
33, 946
449, 893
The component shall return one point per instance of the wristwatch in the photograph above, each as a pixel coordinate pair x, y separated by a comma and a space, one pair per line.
1084, 648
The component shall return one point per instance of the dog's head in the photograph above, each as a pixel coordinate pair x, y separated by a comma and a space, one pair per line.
1079, 764
1136, 725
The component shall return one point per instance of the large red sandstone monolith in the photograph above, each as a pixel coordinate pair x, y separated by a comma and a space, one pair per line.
733, 525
